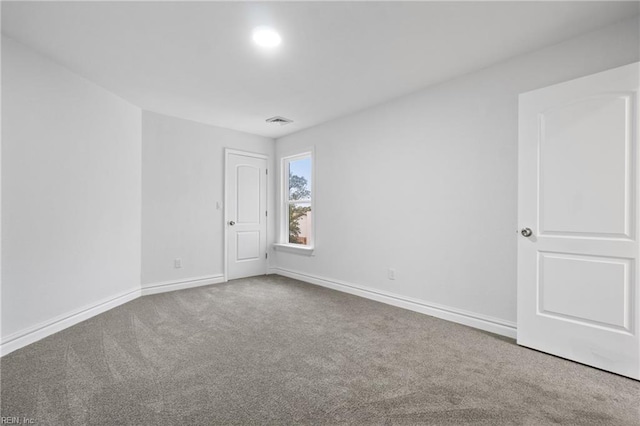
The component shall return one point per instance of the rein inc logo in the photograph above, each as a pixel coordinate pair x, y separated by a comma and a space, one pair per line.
17, 421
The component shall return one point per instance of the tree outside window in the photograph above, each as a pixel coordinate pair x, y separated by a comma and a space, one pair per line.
299, 199
298, 190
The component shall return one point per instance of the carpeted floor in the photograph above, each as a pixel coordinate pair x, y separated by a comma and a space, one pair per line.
272, 350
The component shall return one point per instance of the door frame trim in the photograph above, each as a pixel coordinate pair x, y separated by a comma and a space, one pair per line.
227, 152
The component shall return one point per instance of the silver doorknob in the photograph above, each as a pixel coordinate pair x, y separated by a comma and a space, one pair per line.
231, 223
526, 232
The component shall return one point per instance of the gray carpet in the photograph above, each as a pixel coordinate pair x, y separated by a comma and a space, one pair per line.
271, 350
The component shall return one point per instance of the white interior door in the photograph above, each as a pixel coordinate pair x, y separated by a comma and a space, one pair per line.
246, 214
578, 293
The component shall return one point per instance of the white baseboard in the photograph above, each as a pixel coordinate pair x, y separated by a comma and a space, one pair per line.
164, 286
32, 334
482, 322
37, 332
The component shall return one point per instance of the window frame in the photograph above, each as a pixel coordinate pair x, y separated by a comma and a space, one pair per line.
283, 243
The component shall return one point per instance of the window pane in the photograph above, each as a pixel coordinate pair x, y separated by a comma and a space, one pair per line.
300, 223
300, 179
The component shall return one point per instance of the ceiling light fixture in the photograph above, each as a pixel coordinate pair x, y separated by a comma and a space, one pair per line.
266, 37
279, 120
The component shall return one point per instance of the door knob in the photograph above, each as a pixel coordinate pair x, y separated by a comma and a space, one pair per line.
231, 223
526, 232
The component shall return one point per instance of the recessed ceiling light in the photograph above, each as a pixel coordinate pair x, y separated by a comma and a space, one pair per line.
266, 37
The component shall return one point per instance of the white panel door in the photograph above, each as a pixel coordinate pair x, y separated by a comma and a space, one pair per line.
578, 293
246, 211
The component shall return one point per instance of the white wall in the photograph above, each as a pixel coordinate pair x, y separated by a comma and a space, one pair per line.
71, 193
182, 180
427, 184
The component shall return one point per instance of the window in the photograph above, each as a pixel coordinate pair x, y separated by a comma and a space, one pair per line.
298, 200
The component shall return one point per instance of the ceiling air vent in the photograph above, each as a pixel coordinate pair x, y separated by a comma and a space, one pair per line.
279, 120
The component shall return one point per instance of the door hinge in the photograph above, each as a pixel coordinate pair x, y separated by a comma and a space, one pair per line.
265, 213
266, 171
266, 255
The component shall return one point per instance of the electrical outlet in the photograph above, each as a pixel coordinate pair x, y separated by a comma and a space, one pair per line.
391, 274
177, 263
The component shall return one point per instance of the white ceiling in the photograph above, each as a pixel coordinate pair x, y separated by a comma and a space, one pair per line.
196, 60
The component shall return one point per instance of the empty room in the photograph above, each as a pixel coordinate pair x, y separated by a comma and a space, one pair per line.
320, 213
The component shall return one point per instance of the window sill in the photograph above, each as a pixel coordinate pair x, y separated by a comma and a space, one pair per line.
294, 248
